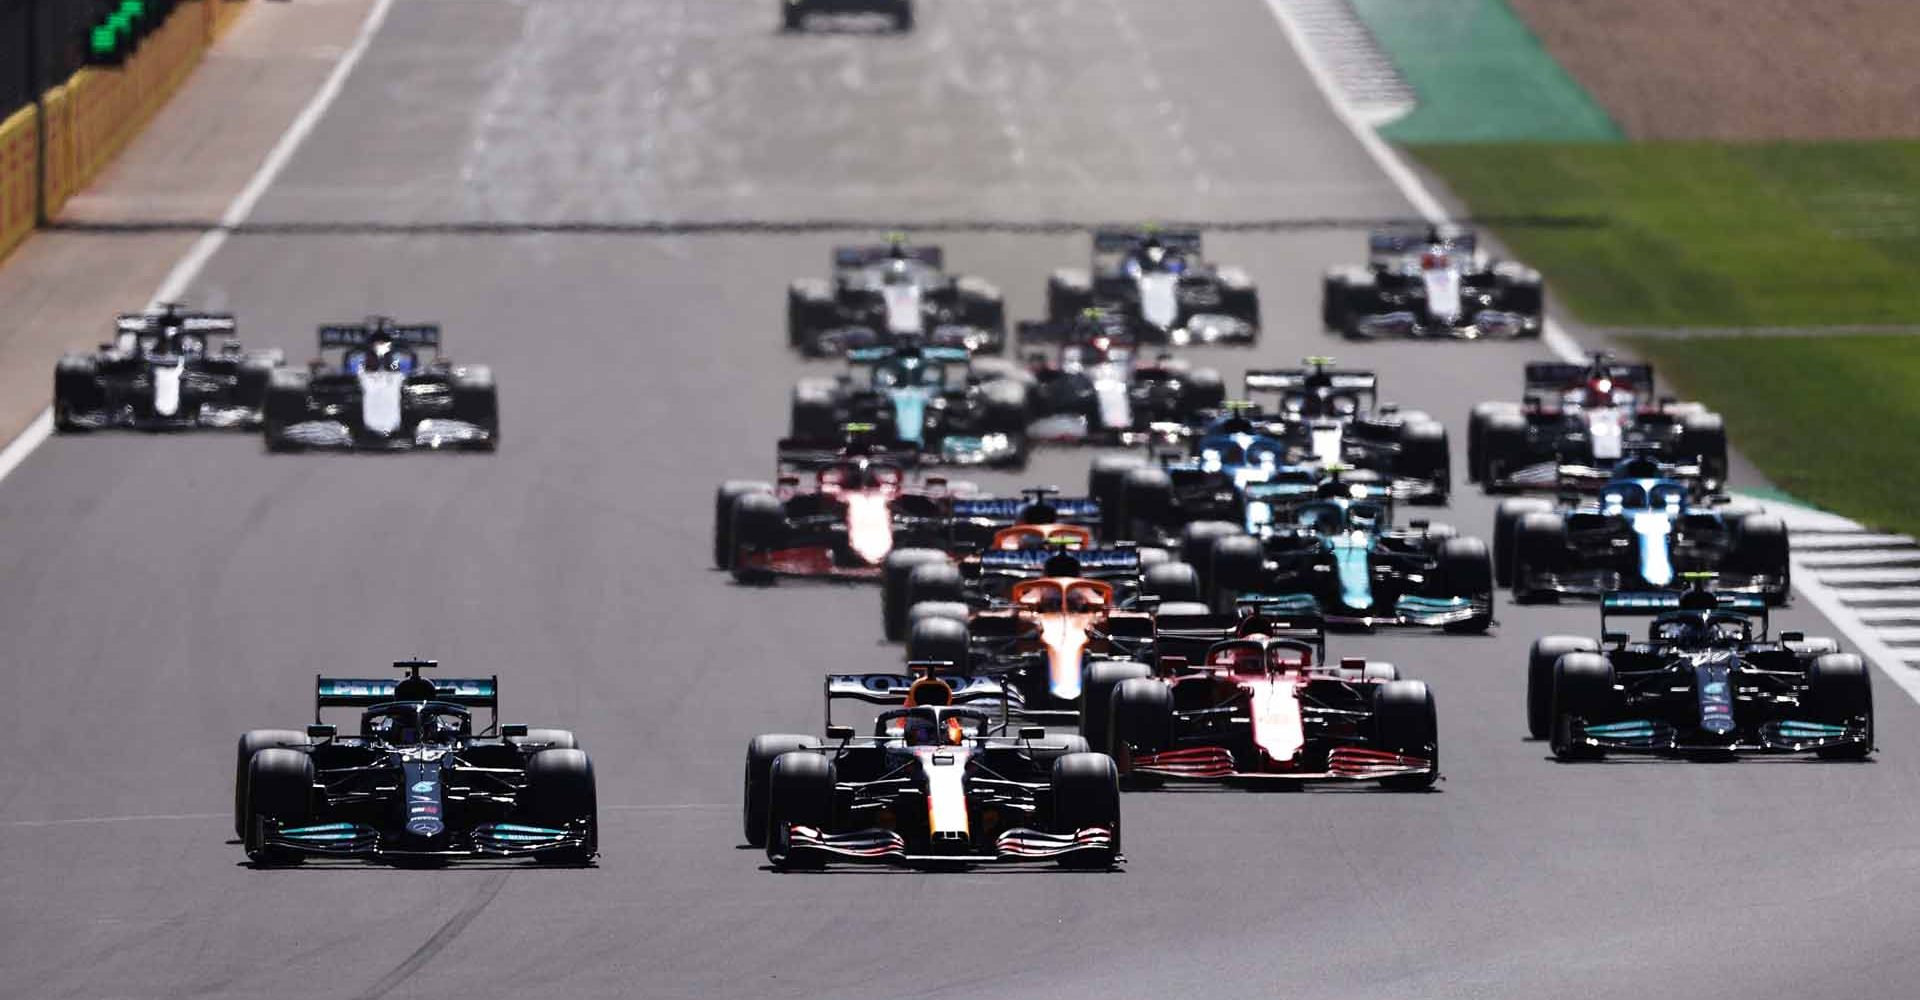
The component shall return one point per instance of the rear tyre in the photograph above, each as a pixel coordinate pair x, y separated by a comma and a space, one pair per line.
762, 750
477, 402
809, 301
1238, 565
1069, 291
1704, 436
1537, 547
895, 571
74, 390
1096, 696
1760, 547
759, 524
1425, 454
1086, 795
1506, 525
1140, 718
280, 788
814, 415
1146, 504
1541, 657
940, 640
1503, 449
1107, 485
1582, 691
1840, 693
1174, 581
1467, 571
1196, 545
1404, 722
723, 499
799, 792
560, 793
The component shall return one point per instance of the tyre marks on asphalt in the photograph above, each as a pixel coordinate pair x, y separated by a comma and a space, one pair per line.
490, 886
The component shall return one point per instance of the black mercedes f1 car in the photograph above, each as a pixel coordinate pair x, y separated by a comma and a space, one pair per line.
417, 783
880, 295
160, 373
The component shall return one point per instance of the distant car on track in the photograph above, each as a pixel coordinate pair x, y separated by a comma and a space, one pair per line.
794, 13
382, 395
943, 780
1431, 282
1091, 383
927, 398
881, 295
418, 784
1707, 682
160, 373
1159, 280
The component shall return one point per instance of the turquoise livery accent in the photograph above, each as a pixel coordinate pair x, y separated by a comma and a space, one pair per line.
1352, 559
910, 413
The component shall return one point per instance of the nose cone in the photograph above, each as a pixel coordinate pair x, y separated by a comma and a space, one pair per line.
1066, 642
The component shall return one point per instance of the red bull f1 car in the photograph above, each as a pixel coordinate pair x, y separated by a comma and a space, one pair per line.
417, 783
941, 780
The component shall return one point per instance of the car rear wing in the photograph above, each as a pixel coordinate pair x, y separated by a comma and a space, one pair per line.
866, 256
1649, 603
1120, 241
1394, 241
892, 689
885, 353
1066, 510
1190, 636
801, 453
1090, 560
1556, 375
361, 692
1281, 380
351, 335
203, 324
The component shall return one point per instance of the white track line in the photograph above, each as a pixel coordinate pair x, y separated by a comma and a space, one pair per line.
188, 267
1556, 339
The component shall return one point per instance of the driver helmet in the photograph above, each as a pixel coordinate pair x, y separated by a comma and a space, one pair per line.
1153, 253
897, 272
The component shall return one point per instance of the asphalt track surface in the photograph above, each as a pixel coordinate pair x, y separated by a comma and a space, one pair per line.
161, 595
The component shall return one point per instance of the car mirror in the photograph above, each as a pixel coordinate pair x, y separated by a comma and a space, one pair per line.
1614, 638
840, 733
1419, 524
319, 733
1033, 732
513, 729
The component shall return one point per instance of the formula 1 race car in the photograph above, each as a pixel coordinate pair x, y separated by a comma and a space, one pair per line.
1253, 701
1159, 281
924, 397
158, 374
1706, 683
940, 783
1431, 282
1097, 387
1589, 415
880, 294
1041, 518
418, 784
794, 13
1333, 546
382, 395
1643, 531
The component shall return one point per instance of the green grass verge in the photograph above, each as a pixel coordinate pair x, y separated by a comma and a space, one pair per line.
1830, 419
1708, 234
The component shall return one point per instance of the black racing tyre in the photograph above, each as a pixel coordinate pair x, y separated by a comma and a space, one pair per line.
1839, 692
894, 571
1096, 696
546, 739
1477, 421
1005, 406
1704, 436
761, 752
927, 610
1140, 717
1541, 656
476, 402
1760, 546
1506, 525
793, 17
1239, 298
251, 377
74, 389
935, 582
1146, 502
1197, 541
759, 523
560, 792
1107, 485
279, 787
799, 791
286, 405
903, 16
1503, 448
1238, 567
1424, 454
1069, 291
723, 517
1085, 790
1519, 290
940, 640
1539, 543
1404, 722
815, 413
1345, 295
252, 742
1201, 389
1174, 581
1582, 689
810, 303
982, 305
1467, 571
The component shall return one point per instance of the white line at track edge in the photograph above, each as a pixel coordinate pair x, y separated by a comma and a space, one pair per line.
189, 266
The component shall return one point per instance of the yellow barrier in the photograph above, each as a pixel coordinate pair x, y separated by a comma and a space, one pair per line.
93, 116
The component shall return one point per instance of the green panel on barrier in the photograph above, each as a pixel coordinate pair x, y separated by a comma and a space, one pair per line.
1481, 75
